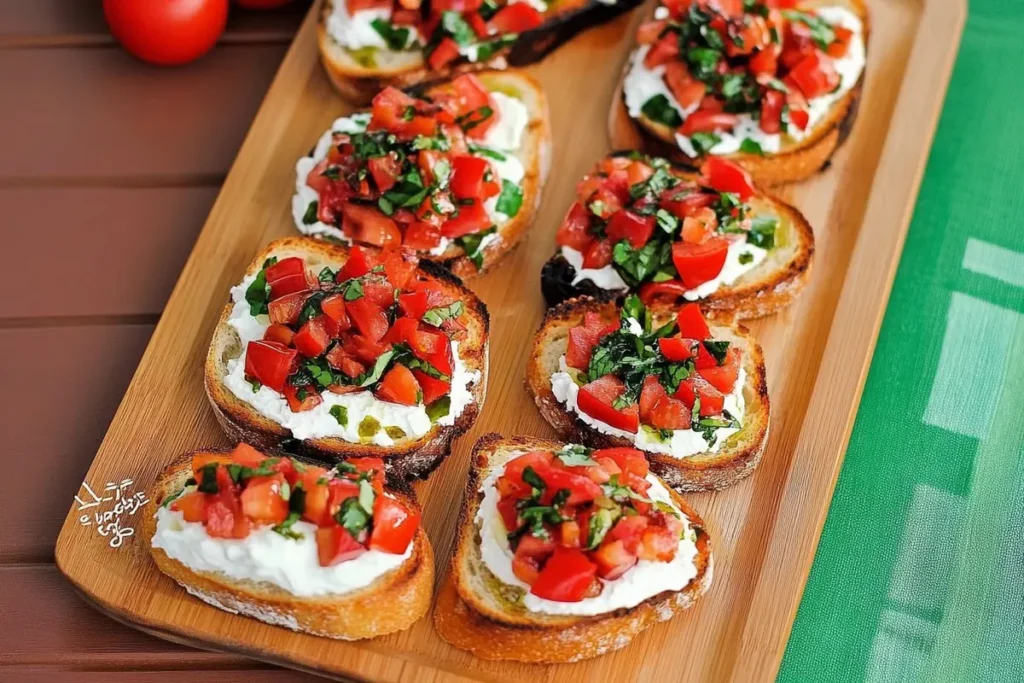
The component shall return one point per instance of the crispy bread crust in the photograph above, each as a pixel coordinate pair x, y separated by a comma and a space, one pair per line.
492, 628
407, 459
535, 155
794, 163
393, 602
763, 290
737, 457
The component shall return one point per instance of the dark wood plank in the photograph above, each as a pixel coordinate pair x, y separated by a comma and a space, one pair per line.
153, 230
74, 114
49, 22
43, 674
60, 389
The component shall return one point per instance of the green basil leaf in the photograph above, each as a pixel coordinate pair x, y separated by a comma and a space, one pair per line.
437, 316
510, 200
310, 217
660, 110
340, 413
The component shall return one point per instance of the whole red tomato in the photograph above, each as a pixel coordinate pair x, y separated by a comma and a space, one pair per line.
166, 31
261, 4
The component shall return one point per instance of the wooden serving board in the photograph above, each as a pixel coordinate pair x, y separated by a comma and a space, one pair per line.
764, 530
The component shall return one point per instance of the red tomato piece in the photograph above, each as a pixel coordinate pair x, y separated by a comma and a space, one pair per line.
629, 460
384, 170
526, 569
613, 560
723, 377
244, 454
508, 511
317, 495
669, 413
725, 176
368, 318
516, 18
626, 225
598, 254
432, 387
192, 506
677, 349
568, 576
262, 502
280, 334
399, 266
286, 310
574, 232
447, 51
595, 399
581, 488
534, 459
692, 324
472, 217
269, 363
224, 518
422, 235
685, 203
649, 31
629, 530
658, 544
333, 307
465, 98
765, 62
771, 111
312, 338
569, 532
301, 399
334, 545
687, 90
815, 75
663, 51
702, 121
399, 386
398, 113
467, 181
359, 263
700, 263
368, 224
394, 525
538, 548
712, 401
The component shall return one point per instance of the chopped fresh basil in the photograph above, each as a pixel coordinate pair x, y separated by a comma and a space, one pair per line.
533, 479
472, 119
453, 25
208, 479
717, 348
310, 217
396, 38
471, 245
576, 456
597, 529
367, 495
510, 200
704, 142
353, 290
352, 516
667, 221
173, 497
408, 191
487, 49
660, 110
327, 276
638, 265
377, 371
257, 295
439, 408
745, 258
658, 182
285, 527
762, 232
703, 62
439, 143
750, 146
437, 316
255, 384
487, 152
822, 32
340, 413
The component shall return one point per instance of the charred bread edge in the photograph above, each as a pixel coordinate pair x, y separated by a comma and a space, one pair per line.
811, 155
703, 472
548, 638
393, 602
531, 46
752, 300
413, 459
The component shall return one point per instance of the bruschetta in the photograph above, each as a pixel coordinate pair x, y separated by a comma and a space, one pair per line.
454, 171
770, 84
566, 553
366, 45
640, 224
331, 552
339, 352
687, 390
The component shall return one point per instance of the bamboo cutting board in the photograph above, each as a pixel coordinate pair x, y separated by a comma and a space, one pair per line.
764, 530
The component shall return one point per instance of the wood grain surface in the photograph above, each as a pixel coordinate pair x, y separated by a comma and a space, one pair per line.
817, 352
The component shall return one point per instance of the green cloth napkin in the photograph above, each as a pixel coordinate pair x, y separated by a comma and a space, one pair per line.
919, 575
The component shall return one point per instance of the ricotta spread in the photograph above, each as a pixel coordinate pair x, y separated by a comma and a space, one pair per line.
318, 422
608, 278
645, 579
267, 556
503, 139
642, 83
356, 31
683, 443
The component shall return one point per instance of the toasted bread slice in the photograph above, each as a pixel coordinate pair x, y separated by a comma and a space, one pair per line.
737, 456
409, 457
795, 161
478, 613
535, 156
359, 81
766, 288
392, 602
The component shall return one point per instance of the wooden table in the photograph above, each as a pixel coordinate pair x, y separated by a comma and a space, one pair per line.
108, 170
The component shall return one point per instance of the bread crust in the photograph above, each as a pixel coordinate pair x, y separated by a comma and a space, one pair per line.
535, 155
393, 602
407, 459
795, 162
765, 289
492, 628
736, 458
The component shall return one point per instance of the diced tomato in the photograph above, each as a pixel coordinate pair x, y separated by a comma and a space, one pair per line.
262, 502
477, 23
286, 309
712, 401
526, 569
537, 548
472, 217
669, 413
509, 513
771, 111
464, 97
224, 518
613, 560
723, 377
568, 576
385, 170
685, 204
192, 506
658, 544
841, 45
359, 263
301, 399
581, 488
201, 460
400, 386
368, 224
663, 51
687, 90
422, 235
676, 8
583, 338
339, 359
269, 363
391, 111
692, 324
765, 62
598, 254
317, 495
413, 304
700, 263
447, 51
394, 525
696, 228
569, 532
702, 121
333, 307
800, 118
432, 387
334, 545
626, 225
360, 5
630, 530
650, 394
629, 460
369, 465
595, 399
535, 460
244, 454
516, 17
815, 75
677, 349
312, 338
725, 176
467, 179
286, 276
280, 334
649, 31
399, 266
368, 318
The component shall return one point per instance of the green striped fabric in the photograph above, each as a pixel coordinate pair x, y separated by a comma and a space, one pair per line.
919, 575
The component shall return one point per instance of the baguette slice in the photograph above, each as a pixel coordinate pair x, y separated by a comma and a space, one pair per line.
393, 602
736, 458
358, 83
408, 458
474, 613
534, 154
796, 161
765, 289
